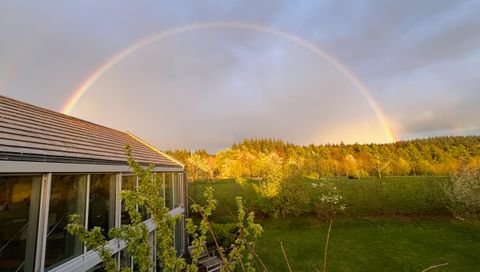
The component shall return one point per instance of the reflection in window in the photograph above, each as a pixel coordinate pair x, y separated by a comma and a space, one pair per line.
177, 189
179, 238
169, 190
160, 180
151, 243
19, 206
67, 197
97, 268
125, 259
101, 205
128, 183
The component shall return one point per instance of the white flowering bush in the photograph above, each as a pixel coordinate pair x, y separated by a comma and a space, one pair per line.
330, 200
463, 193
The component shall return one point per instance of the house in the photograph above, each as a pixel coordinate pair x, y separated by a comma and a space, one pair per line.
53, 165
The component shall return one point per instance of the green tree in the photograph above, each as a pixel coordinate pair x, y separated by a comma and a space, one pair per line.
201, 165
293, 197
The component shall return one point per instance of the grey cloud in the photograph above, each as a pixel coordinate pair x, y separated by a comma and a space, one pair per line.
248, 90
441, 97
395, 36
419, 57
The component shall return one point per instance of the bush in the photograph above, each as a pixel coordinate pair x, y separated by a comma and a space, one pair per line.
463, 193
290, 197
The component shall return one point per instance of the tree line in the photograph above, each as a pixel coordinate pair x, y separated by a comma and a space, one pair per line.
253, 158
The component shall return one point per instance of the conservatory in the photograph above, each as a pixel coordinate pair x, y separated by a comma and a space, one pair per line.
53, 165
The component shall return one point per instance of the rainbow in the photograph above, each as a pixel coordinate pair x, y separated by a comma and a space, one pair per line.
102, 69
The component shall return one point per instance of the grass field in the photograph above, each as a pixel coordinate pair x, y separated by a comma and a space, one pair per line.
394, 195
418, 196
372, 245
394, 224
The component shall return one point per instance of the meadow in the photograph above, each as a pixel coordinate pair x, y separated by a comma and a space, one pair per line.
393, 224
409, 196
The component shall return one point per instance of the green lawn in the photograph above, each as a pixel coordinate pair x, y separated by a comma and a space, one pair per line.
418, 196
372, 245
393, 224
393, 195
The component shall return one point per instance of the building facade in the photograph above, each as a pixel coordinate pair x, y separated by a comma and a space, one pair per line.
53, 165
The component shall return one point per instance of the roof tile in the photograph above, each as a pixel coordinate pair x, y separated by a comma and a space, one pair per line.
30, 130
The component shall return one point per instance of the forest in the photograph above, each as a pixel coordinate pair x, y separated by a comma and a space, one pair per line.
251, 158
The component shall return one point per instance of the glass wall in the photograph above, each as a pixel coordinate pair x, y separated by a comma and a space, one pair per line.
67, 197
128, 183
179, 236
169, 190
19, 207
101, 204
20, 202
125, 259
161, 182
177, 189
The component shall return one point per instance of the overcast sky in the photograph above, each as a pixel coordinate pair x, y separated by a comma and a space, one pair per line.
210, 87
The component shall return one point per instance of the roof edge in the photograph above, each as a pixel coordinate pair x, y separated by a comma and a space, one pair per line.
155, 149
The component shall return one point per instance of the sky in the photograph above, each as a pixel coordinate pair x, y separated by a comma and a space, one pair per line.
302, 71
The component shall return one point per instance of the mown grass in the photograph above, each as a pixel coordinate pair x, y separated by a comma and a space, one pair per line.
393, 224
414, 196
225, 192
364, 245
394, 195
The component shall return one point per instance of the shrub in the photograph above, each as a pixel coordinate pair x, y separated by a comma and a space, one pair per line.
293, 197
463, 193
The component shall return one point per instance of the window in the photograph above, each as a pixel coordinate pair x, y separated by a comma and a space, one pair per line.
19, 206
161, 182
128, 183
177, 189
179, 236
169, 190
67, 197
101, 204
125, 259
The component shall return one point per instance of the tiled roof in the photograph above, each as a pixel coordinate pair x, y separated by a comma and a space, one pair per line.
29, 132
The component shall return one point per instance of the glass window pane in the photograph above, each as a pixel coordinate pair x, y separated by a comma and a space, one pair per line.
125, 259
177, 190
101, 206
67, 197
181, 192
128, 183
19, 206
151, 243
161, 182
179, 236
169, 190
97, 268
